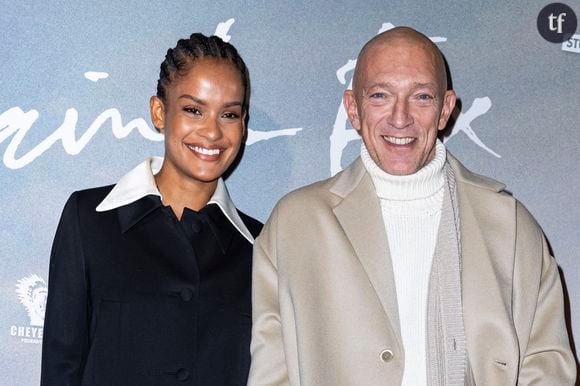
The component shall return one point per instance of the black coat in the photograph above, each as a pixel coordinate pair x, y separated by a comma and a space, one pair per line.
138, 298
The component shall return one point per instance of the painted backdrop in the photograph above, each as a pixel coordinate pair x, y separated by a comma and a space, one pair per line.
76, 76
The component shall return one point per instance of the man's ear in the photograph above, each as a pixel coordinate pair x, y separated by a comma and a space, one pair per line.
351, 107
447, 108
157, 111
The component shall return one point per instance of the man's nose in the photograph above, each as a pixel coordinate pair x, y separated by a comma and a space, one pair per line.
400, 117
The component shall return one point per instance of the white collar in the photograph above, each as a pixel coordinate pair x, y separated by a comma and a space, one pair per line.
140, 182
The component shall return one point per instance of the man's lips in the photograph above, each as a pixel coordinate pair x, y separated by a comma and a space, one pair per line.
398, 140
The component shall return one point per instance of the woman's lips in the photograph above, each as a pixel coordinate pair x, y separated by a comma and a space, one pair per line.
206, 153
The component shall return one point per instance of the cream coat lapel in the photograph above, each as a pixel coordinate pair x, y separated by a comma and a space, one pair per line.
359, 214
487, 265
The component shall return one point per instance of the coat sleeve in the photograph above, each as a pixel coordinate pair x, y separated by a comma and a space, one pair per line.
539, 310
267, 348
65, 337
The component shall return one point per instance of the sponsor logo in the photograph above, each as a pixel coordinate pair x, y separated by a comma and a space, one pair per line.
342, 134
572, 44
32, 291
557, 22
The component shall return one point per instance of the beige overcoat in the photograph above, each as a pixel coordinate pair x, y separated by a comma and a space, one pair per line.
324, 300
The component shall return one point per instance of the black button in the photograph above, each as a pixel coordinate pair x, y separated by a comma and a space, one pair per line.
182, 375
186, 294
196, 225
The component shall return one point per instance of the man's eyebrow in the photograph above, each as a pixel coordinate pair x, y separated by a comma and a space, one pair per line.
424, 85
379, 85
389, 85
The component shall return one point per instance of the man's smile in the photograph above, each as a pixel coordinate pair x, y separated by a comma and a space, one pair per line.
397, 140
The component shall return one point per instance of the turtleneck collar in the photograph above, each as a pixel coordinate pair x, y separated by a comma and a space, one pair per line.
424, 183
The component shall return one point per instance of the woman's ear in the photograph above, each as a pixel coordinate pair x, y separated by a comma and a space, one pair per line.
157, 111
244, 124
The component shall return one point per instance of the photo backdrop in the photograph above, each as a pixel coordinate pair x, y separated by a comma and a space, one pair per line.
76, 78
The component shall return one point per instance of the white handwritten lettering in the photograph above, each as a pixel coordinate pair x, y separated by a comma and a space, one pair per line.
223, 28
95, 76
16, 122
479, 107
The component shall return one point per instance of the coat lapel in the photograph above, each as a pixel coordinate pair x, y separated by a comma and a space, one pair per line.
486, 274
359, 214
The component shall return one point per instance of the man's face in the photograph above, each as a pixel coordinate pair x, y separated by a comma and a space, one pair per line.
399, 103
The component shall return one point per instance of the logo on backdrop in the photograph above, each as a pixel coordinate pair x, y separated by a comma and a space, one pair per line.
572, 44
31, 291
557, 22
342, 135
16, 123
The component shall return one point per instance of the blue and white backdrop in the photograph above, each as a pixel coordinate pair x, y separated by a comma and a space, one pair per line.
75, 79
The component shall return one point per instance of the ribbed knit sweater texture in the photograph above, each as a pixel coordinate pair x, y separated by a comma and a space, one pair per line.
411, 210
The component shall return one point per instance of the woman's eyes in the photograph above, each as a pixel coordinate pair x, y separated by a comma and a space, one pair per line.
226, 115
231, 115
192, 110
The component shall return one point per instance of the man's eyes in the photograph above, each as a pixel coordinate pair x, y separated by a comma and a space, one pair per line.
422, 97
425, 97
378, 95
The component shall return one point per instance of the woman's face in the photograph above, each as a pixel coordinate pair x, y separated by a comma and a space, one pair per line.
202, 121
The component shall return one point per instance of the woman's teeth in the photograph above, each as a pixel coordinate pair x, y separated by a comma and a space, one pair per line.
203, 150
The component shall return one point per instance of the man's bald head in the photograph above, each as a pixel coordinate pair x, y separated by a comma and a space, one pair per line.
399, 101
400, 37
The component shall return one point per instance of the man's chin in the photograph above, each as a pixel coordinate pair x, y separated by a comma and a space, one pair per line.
398, 168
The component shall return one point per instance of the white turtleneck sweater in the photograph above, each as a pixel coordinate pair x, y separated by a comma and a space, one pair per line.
411, 209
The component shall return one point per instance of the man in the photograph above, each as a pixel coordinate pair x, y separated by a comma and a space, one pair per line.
405, 268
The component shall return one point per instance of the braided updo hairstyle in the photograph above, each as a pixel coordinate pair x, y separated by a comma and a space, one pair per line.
179, 60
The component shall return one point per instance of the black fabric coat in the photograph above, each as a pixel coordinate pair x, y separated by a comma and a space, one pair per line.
138, 298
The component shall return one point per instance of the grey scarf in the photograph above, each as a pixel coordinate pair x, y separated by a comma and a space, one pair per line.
447, 363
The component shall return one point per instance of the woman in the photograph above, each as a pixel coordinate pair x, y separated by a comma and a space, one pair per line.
149, 280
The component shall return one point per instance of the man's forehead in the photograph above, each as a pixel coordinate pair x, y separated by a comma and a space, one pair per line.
400, 48
390, 59
399, 51
371, 84
402, 36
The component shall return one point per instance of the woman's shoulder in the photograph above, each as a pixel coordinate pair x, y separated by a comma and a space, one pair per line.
90, 196
86, 200
253, 225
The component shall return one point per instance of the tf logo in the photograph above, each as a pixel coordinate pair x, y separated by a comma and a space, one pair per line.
32, 291
557, 22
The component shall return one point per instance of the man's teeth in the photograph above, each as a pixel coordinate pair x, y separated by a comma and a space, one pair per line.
398, 141
205, 151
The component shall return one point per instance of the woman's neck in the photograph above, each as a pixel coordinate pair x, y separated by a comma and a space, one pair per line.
179, 192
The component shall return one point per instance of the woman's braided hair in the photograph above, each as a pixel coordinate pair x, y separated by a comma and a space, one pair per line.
179, 60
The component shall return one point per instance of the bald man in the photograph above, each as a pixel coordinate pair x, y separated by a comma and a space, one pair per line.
405, 268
